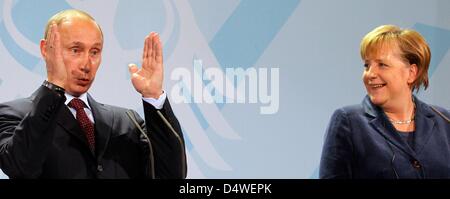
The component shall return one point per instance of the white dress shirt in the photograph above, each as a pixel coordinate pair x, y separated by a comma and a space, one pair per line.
157, 103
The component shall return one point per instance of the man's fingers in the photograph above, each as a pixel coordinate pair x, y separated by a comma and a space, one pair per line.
53, 35
148, 51
150, 45
132, 68
158, 50
152, 51
49, 39
145, 52
56, 41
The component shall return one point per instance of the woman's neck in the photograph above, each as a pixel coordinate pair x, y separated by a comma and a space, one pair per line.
401, 114
401, 109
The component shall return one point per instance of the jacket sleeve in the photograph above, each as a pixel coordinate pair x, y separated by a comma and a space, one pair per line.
25, 133
167, 141
337, 149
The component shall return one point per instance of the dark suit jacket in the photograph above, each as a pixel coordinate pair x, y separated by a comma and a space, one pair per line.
40, 138
361, 143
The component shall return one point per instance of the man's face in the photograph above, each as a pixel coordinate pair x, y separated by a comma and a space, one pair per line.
81, 43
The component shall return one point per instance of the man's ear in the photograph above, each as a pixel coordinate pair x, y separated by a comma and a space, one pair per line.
42, 46
413, 70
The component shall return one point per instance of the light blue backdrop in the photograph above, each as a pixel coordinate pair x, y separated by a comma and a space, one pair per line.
314, 43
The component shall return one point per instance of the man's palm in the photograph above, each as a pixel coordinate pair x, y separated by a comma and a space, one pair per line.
148, 79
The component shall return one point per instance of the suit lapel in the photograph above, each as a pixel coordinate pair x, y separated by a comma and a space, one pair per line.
104, 120
389, 133
424, 125
385, 128
68, 122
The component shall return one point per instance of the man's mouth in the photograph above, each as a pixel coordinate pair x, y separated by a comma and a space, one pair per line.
83, 81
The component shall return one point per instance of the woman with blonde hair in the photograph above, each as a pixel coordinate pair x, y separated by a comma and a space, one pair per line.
391, 134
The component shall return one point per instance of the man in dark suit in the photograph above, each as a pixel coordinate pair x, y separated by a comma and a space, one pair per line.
60, 131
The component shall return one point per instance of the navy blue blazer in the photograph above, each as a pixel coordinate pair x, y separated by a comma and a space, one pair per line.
361, 143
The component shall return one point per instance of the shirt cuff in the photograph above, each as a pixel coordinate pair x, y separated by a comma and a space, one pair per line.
157, 103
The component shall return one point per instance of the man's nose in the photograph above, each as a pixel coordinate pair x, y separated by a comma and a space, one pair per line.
87, 63
85, 69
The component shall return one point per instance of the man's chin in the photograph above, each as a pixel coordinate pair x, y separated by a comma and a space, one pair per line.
78, 90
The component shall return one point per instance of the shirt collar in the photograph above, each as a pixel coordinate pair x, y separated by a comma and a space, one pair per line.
82, 97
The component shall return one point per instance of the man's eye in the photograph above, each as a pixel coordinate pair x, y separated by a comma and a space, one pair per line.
75, 50
95, 52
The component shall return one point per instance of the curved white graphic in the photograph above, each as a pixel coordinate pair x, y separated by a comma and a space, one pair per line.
18, 37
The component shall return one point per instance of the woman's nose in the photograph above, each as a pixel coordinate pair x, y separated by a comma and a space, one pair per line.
372, 71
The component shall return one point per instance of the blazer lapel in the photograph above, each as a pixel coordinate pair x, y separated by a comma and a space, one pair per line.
104, 120
384, 127
68, 122
424, 125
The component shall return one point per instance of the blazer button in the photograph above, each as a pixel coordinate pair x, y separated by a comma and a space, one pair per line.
99, 168
416, 164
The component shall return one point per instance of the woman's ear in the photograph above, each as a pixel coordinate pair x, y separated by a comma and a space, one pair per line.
412, 73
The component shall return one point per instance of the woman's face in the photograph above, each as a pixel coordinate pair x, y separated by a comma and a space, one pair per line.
387, 77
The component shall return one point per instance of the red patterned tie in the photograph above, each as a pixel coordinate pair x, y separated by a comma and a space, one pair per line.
84, 122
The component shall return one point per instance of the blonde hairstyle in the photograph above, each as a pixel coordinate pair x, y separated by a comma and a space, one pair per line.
413, 49
61, 16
